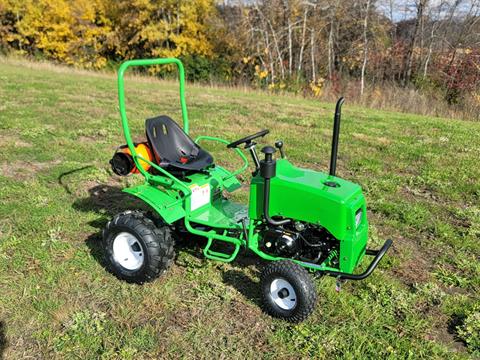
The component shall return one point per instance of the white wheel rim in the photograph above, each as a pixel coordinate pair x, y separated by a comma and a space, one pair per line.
283, 294
128, 251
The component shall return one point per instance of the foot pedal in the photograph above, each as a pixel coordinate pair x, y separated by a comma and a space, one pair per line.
219, 256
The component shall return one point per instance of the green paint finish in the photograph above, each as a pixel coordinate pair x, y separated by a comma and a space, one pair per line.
301, 194
121, 99
215, 255
353, 246
221, 214
168, 205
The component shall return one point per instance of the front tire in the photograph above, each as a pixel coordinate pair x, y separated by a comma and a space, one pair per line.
137, 250
288, 291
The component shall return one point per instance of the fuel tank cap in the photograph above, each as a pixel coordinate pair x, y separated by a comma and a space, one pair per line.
331, 184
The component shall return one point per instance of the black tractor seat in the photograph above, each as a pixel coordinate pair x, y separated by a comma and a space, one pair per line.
174, 149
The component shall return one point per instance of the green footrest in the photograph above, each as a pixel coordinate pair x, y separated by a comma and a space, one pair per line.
215, 255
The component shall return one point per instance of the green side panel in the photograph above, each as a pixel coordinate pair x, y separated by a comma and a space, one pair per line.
221, 214
168, 205
218, 178
218, 212
301, 194
171, 207
353, 248
230, 183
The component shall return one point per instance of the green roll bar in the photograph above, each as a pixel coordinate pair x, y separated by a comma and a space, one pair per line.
123, 112
168, 179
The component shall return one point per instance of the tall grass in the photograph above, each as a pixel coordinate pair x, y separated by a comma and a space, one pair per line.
407, 100
387, 96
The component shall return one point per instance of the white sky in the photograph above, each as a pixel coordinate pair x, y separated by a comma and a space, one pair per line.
406, 9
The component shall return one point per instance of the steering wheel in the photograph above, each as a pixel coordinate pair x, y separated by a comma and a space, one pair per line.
247, 139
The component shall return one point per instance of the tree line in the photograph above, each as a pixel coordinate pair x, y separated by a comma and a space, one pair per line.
302, 46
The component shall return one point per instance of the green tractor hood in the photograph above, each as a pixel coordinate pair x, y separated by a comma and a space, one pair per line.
303, 195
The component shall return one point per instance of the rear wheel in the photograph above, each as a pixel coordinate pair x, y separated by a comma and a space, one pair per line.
288, 291
136, 249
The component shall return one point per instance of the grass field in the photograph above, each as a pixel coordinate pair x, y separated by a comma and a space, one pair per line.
59, 128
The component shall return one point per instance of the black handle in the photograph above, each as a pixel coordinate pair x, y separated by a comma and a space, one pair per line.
268, 166
378, 256
279, 146
247, 139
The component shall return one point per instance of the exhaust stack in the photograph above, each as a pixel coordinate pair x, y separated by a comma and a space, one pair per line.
336, 133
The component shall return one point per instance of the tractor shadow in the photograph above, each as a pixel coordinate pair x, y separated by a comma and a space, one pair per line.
244, 284
106, 200
3, 339
242, 274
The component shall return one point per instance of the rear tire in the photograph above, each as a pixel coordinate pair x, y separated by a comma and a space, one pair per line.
137, 250
288, 291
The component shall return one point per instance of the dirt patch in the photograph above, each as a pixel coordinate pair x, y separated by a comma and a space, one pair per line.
12, 140
423, 193
416, 267
413, 271
250, 316
442, 331
247, 327
371, 139
25, 170
415, 263
87, 139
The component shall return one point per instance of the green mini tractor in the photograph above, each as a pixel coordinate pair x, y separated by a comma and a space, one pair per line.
301, 222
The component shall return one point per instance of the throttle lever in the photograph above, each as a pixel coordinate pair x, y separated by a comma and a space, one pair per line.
279, 146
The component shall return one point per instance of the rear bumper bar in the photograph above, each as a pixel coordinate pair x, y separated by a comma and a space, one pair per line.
378, 256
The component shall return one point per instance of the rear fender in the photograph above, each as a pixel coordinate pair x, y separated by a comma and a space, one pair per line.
170, 206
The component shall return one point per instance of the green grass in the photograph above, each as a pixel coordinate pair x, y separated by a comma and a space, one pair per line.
59, 128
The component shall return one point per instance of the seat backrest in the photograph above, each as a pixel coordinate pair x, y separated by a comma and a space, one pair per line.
168, 140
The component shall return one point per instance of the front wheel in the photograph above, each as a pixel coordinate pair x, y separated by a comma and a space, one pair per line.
288, 291
135, 248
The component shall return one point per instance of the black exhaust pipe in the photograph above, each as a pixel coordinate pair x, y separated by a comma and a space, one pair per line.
336, 133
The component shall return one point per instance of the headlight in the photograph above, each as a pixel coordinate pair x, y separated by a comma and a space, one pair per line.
358, 217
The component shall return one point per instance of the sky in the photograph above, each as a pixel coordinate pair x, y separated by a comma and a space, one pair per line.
406, 9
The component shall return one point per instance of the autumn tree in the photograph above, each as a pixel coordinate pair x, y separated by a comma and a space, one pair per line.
161, 28
71, 32
294, 45
87, 32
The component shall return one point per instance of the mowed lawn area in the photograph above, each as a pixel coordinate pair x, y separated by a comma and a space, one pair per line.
60, 127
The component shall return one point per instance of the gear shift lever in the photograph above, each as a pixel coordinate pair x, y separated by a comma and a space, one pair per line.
279, 146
